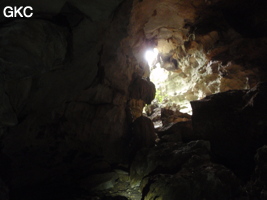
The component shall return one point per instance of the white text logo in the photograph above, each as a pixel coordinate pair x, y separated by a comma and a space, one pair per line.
17, 11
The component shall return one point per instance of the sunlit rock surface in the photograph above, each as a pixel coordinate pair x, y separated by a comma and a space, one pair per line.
202, 50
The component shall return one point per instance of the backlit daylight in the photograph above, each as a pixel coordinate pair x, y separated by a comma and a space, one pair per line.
181, 77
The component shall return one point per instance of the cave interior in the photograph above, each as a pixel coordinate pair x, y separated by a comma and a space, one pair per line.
134, 100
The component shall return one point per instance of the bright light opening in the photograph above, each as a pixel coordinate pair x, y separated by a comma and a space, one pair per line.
151, 57
158, 75
170, 90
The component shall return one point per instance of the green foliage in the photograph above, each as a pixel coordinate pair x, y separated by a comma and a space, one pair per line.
160, 96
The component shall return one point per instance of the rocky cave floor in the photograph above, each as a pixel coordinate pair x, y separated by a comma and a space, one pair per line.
221, 154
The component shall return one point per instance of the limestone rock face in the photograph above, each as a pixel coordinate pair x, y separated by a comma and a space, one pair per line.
142, 92
28, 48
136, 107
46, 63
204, 47
64, 79
142, 89
143, 134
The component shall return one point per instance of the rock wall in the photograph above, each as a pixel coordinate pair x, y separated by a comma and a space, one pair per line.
64, 84
204, 46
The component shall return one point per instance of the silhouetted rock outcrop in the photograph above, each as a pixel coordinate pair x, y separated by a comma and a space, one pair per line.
235, 124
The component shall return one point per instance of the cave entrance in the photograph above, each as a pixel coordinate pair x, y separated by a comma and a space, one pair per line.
168, 79
188, 71
174, 88
181, 73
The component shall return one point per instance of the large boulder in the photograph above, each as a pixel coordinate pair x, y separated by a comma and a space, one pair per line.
176, 132
195, 181
143, 134
142, 89
166, 158
235, 124
169, 116
182, 171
